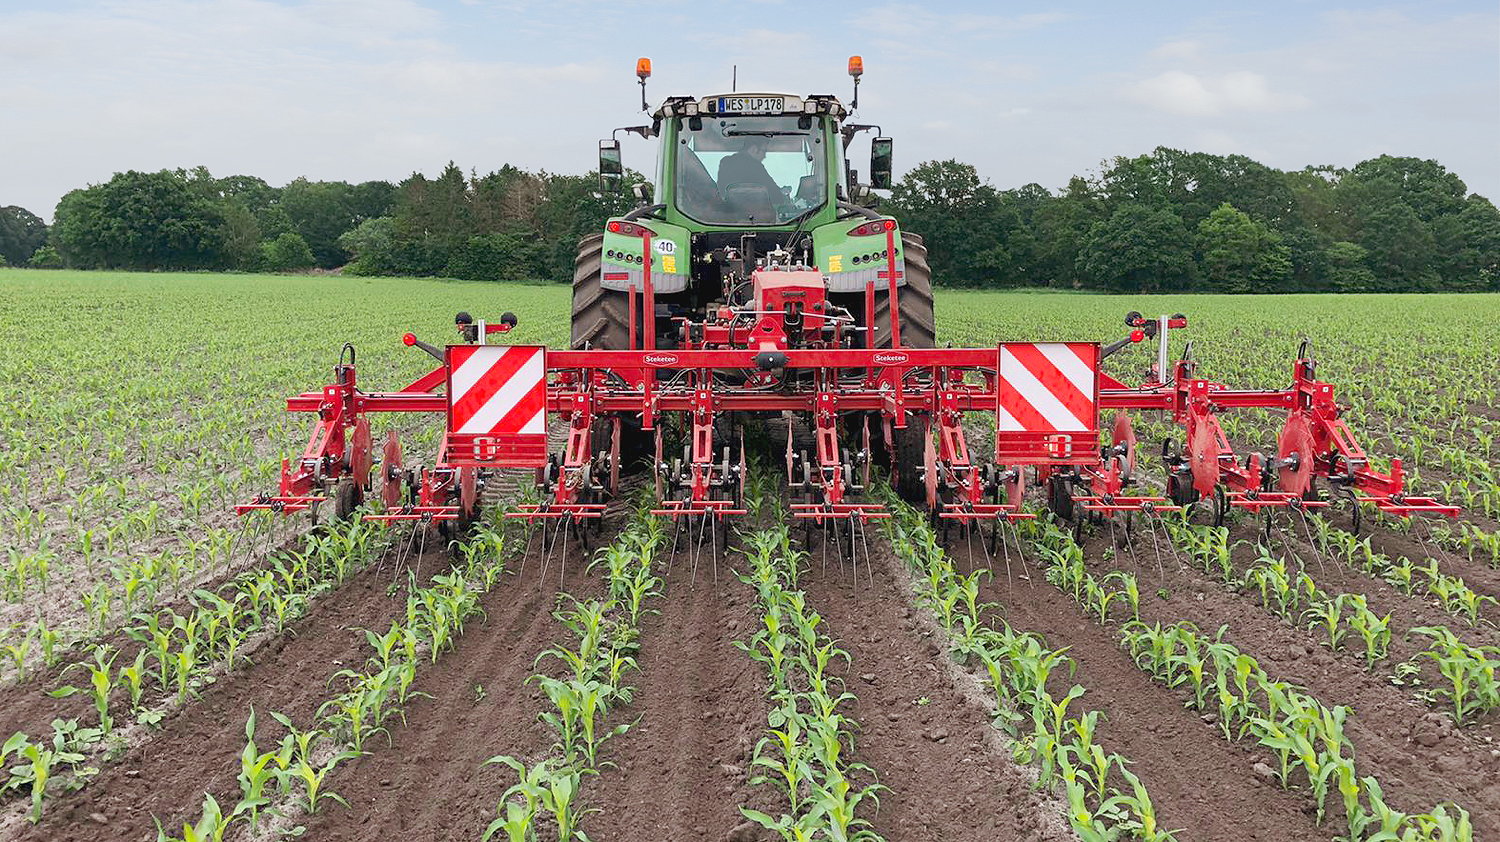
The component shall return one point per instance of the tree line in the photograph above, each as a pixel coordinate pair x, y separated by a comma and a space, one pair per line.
1174, 220
1169, 220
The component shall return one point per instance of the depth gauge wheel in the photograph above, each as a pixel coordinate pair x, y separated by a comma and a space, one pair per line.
1060, 497
346, 498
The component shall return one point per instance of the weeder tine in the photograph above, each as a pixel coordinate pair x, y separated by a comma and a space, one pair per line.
713, 525
531, 530
676, 534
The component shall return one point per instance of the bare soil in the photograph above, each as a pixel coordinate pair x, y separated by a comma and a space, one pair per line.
684, 767
927, 739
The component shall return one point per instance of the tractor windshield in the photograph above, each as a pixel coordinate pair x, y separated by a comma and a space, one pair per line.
750, 170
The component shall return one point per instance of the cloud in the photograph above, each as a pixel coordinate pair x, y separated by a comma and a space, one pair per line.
1204, 95
1182, 50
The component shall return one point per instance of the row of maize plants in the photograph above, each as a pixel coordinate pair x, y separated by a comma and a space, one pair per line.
1466, 680
291, 778
1405, 575
1304, 733
1106, 801
1290, 593
807, 734
178, 653
134, 582
1477, 544
545, 802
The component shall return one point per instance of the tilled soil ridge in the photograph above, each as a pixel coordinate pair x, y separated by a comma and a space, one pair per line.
1198, 782
199, 747
430, 780
927, 741
684, 766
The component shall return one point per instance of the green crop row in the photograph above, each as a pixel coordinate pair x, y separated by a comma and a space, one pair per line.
1469, 677
292, 777
1292, 595
1304, 733
178, 652
606, 634
807, 734
1456, 597
1018, 665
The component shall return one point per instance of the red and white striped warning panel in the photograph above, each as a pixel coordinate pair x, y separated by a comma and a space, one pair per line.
497, 405
1048, 408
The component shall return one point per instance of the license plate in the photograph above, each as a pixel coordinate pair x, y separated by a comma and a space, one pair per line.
752, 104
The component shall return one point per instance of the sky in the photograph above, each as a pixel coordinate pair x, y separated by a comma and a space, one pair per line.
1027, 92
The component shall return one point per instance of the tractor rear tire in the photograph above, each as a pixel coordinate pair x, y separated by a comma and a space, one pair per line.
918, 330
601, 319
918, 324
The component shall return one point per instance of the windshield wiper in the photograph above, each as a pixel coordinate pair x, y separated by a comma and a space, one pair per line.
767, 133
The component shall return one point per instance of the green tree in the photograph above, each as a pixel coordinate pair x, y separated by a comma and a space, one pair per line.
1468, 246
286, 253
372, 247
21, 234
1401, 250
1138, 249
1424, 186
1347, 269
1239, 254
46, 257
140, 220
321, 211
955, 211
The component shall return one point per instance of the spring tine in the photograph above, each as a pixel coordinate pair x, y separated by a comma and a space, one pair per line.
1151, 524
713, 546
998, 536
530, 531
1015, 532
692, 550
421, 548
823, 526
676, 533
864, 536
1317, 553
562, 565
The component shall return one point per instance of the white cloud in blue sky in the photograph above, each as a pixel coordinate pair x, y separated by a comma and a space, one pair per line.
364, 89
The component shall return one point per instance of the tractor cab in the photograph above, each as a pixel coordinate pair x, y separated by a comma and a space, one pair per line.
747, 180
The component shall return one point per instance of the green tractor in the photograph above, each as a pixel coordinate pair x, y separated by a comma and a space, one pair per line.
744, 180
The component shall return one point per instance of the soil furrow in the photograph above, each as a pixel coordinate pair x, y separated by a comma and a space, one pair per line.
430, 781
928, 740
1387, 721
199, 746
684, 767
1197, 780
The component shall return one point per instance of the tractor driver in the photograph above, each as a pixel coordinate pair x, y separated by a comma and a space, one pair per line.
744, 170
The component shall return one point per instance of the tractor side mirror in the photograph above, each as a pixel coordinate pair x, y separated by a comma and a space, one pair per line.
611, 166
880, 163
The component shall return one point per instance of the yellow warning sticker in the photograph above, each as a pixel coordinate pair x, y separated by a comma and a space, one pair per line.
669, 264
836, 263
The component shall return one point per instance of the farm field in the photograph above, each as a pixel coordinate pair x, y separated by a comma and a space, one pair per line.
162, 661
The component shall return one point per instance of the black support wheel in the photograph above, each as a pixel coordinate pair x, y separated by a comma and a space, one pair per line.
910, 456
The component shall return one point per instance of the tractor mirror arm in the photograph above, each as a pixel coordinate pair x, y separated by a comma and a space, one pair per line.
646, 132
849, 130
